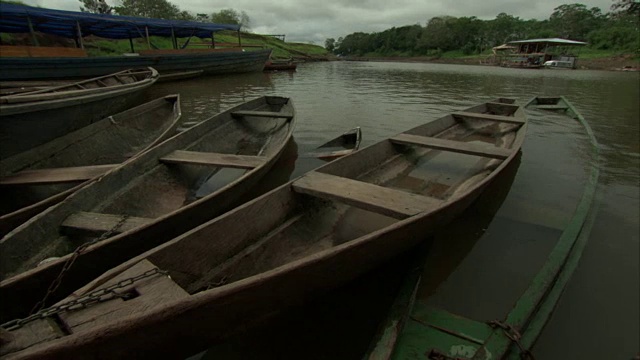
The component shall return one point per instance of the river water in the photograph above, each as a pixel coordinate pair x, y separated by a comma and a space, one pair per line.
480, 265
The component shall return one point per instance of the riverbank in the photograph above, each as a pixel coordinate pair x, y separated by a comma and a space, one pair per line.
618, 62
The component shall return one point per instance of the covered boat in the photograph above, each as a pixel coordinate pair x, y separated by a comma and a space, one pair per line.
34, 62
175, 186
35, 179
311, 234
29, 119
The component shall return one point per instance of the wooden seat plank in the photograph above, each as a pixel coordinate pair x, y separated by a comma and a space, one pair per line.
56, 175
216, 159
552, 107
489, 151
270, 114
395, 203
95, 224
478, 116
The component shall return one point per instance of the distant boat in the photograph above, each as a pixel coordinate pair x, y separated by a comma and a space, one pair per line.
280, 65
29, 119
312, 234
175, 186
342, 145
38, 178
41, 62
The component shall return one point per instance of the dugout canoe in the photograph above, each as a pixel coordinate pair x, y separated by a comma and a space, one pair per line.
557, 104
175, 186
311, 234
29, 119
38, 178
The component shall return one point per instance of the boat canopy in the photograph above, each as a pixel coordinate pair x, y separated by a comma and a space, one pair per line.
551, 42
24, 19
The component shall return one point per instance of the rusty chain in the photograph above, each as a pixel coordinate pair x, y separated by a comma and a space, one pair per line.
93, 297
514, 335
67, 265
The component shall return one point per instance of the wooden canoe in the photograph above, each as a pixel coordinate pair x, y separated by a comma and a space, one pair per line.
552, 103
311, 234
342, 145
275, 65
38, 178
29, 119
188, 179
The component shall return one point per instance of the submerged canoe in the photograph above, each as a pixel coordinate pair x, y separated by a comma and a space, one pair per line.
179, 75
35, 179
311, 234
342, 145
29, 119
175, 186
553, 103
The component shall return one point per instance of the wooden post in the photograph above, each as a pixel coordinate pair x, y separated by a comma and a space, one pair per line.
131, 44
146, 30
213, 41
239, 39
80, 35
33, 33
173, 39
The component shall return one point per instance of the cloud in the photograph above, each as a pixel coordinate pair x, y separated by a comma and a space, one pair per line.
316, 20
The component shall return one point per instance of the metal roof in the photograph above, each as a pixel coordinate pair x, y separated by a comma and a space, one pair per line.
555, 41
19, 18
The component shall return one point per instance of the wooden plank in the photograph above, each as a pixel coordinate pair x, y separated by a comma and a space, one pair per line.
45, 51
552, 107
489, 151
269, 114
56, 175
395, 203
150, 293
216, 159
94, 224
478, 116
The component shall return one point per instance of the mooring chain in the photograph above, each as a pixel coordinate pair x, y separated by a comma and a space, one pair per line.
67, 265
91, 298
514, 335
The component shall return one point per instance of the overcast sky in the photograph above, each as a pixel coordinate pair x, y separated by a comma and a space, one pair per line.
314, 21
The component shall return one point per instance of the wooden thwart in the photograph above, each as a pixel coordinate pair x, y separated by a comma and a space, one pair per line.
216, 159
88, 223
269, 114
379, 199
552, 107
489, 151
478, 116
56, 175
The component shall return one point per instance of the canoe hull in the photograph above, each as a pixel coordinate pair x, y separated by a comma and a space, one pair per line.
213, 63
117, 249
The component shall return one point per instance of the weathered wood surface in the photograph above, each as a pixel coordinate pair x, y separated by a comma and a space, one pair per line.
44, 51
147, 294
216, 159
269, 114
57, 175
499, 118
453, 146
95, 224
395, 203
552, 107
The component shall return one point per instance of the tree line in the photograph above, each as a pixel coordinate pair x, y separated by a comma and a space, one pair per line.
163, 9
618, 29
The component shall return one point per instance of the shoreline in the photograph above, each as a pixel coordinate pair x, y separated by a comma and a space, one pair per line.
614, 63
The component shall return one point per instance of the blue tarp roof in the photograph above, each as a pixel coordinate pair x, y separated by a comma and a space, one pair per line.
15, 19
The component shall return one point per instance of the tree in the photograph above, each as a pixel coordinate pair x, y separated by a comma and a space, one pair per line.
159, 9
575, 21
95, 6
231, 16
330, 44
630, 7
